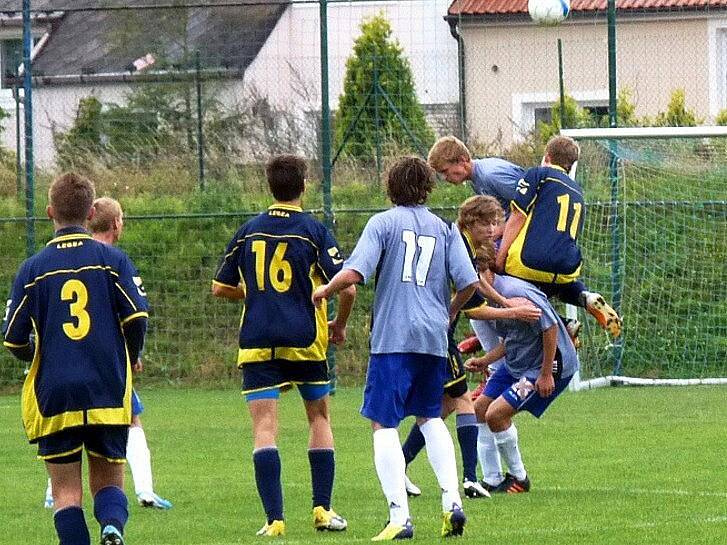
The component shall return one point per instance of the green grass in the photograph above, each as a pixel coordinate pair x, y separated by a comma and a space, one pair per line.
611, 466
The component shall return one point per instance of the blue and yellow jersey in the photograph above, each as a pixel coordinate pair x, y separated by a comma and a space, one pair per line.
546, 249
280, 257
74, 296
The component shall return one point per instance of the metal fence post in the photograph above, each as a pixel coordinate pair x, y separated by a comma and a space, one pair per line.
28, 110
616, 273
200, 131
328, 219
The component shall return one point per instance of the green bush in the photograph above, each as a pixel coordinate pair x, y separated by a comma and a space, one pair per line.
375, 54
677, 114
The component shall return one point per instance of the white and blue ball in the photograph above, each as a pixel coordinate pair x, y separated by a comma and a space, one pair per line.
548, 12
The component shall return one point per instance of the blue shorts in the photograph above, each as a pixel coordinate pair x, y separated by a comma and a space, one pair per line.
520, 393
66, 446
401, 385
265, 379
137, 407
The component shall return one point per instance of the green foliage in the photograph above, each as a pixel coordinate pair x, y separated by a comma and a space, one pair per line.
677, 114
721, 118
575, 117
377, 57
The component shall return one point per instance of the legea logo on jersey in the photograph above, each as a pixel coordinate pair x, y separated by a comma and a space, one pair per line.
139, 286
522, 186
335, 255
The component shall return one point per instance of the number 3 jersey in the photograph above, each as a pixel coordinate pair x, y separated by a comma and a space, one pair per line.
414, 256
279, 258
74, 296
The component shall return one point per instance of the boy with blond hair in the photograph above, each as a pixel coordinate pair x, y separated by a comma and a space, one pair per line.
552, 259
78, 313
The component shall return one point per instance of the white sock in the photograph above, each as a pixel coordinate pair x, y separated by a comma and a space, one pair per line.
139, 458
49, 491
489, 455
440, 451
390, 467
507, 444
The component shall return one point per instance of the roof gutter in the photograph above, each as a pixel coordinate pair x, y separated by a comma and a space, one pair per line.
132, 77
454, 31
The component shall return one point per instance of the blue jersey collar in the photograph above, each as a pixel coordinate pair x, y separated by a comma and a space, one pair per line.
67, 233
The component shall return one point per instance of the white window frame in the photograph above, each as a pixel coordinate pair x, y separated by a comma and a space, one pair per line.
524, 105
717, 67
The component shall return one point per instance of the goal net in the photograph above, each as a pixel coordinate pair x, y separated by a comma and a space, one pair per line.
655, 244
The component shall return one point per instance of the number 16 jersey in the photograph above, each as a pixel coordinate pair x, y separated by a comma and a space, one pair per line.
279, 258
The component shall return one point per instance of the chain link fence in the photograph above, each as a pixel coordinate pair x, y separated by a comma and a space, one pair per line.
172, 106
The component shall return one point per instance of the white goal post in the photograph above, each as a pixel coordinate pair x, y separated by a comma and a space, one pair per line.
607, 136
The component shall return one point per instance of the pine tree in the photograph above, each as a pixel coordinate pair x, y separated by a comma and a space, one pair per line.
376, 56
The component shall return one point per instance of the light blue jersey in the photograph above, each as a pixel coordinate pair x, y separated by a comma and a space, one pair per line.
524, 341
498, 178
414, 255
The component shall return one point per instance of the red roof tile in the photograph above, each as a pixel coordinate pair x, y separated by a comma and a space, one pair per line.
495, 7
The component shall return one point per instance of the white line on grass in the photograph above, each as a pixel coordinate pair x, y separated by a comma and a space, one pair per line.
637, 491
9, 406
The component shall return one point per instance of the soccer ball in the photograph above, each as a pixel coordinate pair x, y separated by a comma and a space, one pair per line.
548, 12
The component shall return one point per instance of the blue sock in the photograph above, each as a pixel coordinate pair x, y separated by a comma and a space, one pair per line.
267, 477
322, 470
71, 526
413, 444
110, 507
467, 437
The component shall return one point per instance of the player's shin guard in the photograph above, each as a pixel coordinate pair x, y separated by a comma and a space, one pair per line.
322, 471
139, 458
489, 456
507, 443
467, 438
71, 526
413, 445
267, 477
111, 508
440, 451
390, 467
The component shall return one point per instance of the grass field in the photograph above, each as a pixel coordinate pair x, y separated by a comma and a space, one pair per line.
611, 466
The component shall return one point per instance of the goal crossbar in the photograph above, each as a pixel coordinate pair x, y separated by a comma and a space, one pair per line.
644, 132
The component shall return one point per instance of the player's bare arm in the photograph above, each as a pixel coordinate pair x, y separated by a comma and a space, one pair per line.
343, 279
545, 384
512, 228
228, 292
526, 313
459, 299
477, 365
337, 326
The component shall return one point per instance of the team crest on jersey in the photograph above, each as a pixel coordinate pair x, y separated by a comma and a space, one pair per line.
335, 254
139, 286
522, 186
523, 388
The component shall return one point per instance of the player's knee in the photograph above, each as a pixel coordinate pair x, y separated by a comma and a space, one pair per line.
482, 403
496, 420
